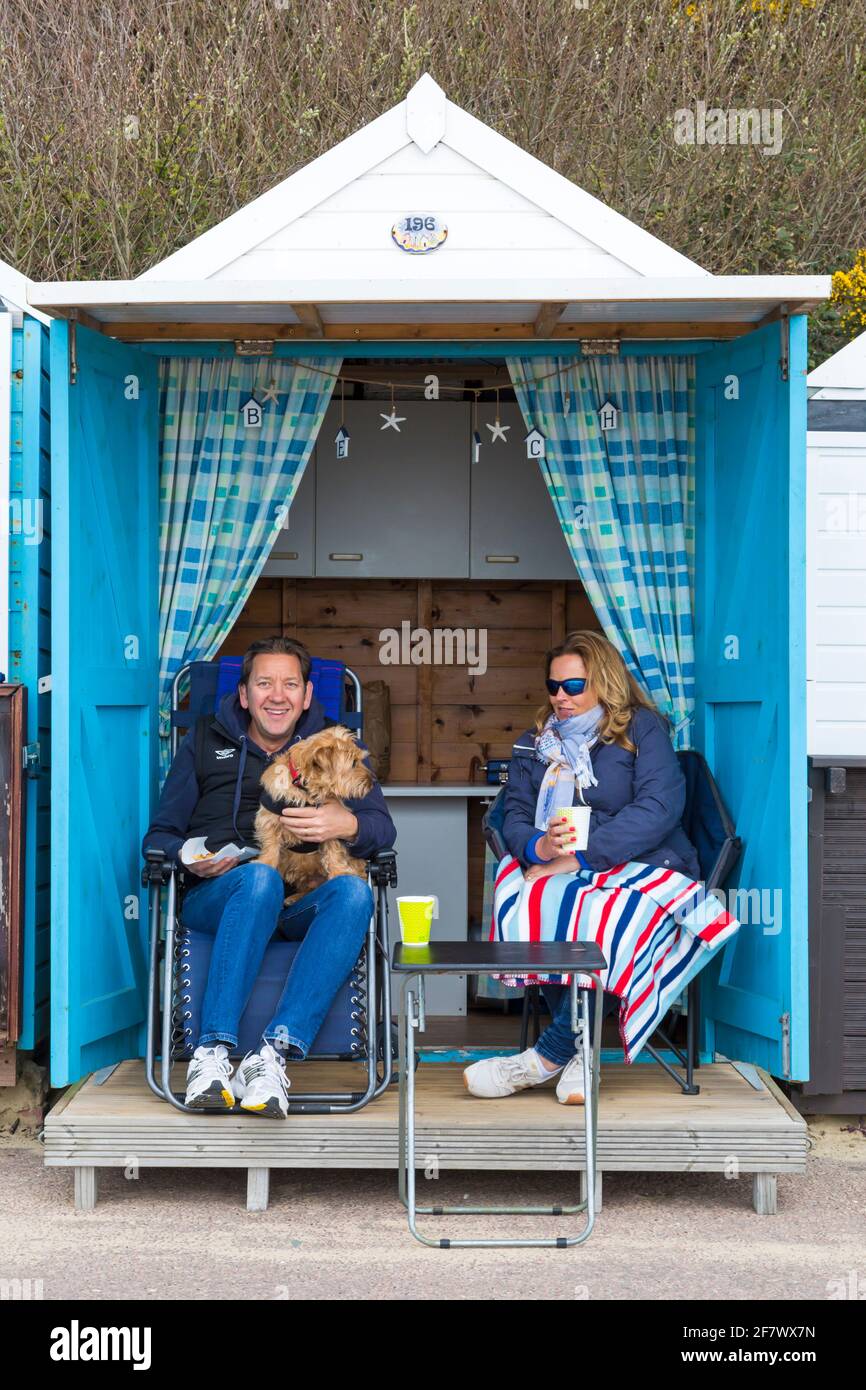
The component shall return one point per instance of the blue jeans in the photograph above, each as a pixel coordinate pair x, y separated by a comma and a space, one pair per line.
557, 1043
243, 909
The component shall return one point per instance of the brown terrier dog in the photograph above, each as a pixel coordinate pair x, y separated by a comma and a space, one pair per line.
327, 766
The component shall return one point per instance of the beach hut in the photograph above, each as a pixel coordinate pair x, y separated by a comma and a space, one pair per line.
836, 729
25, 578
427, 247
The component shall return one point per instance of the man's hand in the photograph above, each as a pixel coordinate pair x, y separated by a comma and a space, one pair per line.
331, 821
211, 868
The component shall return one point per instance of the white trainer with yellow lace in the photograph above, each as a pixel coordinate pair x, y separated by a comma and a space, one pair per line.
209, 1079
261, 1085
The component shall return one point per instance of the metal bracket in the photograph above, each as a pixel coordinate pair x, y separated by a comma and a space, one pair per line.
784, 345
43, 685
254, 347
73, 347
31, 759
599, 347
785, 1020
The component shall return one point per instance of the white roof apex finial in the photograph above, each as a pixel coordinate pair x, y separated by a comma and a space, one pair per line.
425, 113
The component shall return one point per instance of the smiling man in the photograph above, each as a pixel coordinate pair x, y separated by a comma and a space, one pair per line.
212, 789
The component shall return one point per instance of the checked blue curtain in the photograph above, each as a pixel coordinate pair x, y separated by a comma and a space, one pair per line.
225, 491
625, 501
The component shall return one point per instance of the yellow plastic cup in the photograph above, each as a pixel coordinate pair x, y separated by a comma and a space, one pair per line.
416, 916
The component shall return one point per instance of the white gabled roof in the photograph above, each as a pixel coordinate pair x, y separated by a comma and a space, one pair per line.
13, 292
844, 372
528, 254
505, 211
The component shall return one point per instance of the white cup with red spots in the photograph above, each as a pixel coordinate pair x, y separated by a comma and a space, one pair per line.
578, 820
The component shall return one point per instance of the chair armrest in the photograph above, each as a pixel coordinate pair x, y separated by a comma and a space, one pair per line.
382, 868
157, 869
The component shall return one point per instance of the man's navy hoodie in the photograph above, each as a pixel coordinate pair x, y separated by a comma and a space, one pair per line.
212, 787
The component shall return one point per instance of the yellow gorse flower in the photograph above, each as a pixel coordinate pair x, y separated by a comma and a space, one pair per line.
849, 295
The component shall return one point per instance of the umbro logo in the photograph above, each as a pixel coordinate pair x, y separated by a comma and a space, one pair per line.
225, 752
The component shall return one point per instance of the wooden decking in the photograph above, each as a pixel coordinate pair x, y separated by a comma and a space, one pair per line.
645, 1124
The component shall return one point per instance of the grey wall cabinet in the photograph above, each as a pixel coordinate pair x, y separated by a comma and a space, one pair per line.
294, 551
515, 532
413, 505
398, 506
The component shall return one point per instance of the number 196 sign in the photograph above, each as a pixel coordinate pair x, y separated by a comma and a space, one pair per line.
419, 232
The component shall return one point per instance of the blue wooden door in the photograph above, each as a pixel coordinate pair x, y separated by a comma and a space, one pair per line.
751, 683
104, 423
30, 651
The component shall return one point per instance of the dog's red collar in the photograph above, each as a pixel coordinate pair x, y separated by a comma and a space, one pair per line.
295, 775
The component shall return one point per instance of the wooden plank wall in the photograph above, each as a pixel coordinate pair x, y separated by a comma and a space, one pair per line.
441, 717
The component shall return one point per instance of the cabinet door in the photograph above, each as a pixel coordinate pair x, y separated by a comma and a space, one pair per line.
515, 530
295, 547
398, 506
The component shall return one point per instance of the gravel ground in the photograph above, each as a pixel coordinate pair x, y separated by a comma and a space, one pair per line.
178, 1234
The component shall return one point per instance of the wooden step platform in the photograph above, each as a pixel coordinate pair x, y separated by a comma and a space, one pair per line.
735, 1124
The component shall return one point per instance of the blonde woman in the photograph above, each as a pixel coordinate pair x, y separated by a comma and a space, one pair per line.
597, 741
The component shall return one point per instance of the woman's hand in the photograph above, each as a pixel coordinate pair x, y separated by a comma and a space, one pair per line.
558, 839
563, 864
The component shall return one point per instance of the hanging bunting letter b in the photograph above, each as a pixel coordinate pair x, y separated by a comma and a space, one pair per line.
251, 414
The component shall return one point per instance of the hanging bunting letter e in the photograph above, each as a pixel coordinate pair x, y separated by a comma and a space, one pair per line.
341, 439
535, 445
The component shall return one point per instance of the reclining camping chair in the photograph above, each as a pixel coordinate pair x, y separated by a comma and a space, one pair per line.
358, 1026
709, 827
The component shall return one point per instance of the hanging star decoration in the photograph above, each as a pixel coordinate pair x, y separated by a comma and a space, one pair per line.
498, 431
392, 421
272, 394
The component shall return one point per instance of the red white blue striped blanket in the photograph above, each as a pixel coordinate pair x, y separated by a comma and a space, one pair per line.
656, 929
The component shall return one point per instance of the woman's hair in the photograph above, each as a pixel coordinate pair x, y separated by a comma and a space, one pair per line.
617, 690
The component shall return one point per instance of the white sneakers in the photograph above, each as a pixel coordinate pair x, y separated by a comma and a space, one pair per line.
569, 1087
208, 1079
495, 1077
261, 1084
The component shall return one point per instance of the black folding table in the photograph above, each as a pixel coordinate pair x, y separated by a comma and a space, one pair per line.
414, 963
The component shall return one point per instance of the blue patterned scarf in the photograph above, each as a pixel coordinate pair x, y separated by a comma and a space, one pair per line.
564, 745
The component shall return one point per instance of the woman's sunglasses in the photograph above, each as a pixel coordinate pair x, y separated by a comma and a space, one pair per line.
575, 685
